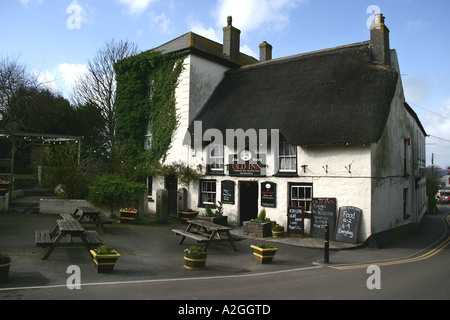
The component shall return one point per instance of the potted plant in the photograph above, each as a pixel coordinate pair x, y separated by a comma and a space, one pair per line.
215, 216
259, 227
277, 231
5, 262
263, 253
105, 258
194, 258
128, 215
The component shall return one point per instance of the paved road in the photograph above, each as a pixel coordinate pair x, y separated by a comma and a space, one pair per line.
414, 268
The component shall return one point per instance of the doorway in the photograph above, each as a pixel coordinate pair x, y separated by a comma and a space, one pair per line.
248, 200
171, 184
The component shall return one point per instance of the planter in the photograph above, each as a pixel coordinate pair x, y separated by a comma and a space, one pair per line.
223, 220
104, 263
187, 214
257, 229
277, 234
195, 262
263, 255
4, 269
128, 215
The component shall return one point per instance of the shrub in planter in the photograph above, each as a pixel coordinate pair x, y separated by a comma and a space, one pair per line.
194, 258
263, 253
259, 227
215, 216
105, 258
277, 231
5, 262
114, 191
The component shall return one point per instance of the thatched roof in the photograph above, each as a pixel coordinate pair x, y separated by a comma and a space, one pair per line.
335, 96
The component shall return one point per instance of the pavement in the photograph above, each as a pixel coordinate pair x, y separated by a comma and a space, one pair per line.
151, 251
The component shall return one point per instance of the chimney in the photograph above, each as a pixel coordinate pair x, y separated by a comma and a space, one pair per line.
379, 39
265, 52
231, 41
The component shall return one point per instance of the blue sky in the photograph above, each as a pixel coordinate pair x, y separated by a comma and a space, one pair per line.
44, 35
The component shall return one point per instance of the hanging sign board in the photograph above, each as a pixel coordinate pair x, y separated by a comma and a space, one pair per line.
269, 194
295, 220
348, 224
323, 213
227, 192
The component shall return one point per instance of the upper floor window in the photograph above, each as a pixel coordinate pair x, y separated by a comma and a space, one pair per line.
215, 157
287, 156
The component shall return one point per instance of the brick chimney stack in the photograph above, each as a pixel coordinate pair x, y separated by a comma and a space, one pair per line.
265, 52
231, 41
379, 38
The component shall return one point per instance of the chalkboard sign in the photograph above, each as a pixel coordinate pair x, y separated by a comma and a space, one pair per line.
323, 213
227, 192
269, 194
295, 220
348, 224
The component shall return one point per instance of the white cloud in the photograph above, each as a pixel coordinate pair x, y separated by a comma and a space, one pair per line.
162, 22
416, 25
210, 33
62, 78
249, 15
136, 6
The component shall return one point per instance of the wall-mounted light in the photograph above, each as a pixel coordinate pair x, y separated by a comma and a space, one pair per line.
304, 168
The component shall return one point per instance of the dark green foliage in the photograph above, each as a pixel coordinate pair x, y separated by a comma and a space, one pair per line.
146, 94
114, 191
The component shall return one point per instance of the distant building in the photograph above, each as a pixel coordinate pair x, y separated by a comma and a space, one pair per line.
329, 124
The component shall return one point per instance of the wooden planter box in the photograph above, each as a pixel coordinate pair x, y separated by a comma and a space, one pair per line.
187, 214
277, 234
194, 262
223, 220
128, 215
257, 229
4, 270
263, 255
105, 263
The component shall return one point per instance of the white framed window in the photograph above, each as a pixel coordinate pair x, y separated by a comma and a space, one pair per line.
287, 156
301, 195
148, 137
215, 157
208, 192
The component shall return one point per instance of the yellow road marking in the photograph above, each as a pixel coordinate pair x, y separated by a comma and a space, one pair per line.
424, 256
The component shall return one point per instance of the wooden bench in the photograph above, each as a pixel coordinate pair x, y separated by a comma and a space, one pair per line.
43, 238
191, 235
93, 238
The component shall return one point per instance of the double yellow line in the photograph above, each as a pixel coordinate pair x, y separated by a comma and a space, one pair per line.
424, 256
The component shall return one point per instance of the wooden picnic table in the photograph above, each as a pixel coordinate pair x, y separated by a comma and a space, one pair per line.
93, 215
206, 232
69, 227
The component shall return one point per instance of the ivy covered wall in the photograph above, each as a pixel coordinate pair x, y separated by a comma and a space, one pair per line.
145, 94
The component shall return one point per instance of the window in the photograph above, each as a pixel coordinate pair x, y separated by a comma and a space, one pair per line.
215, 158
148, 137
300, 195
405, 204
207, 192
149, 184
405, 157
151, 86
287, 156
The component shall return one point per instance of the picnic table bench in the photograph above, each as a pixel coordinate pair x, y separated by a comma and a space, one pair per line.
206, 232
69, 227
91, 215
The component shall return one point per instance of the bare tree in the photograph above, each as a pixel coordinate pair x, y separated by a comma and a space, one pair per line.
98, 86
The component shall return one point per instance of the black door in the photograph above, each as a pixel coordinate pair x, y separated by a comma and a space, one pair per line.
171, 184
248, 200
